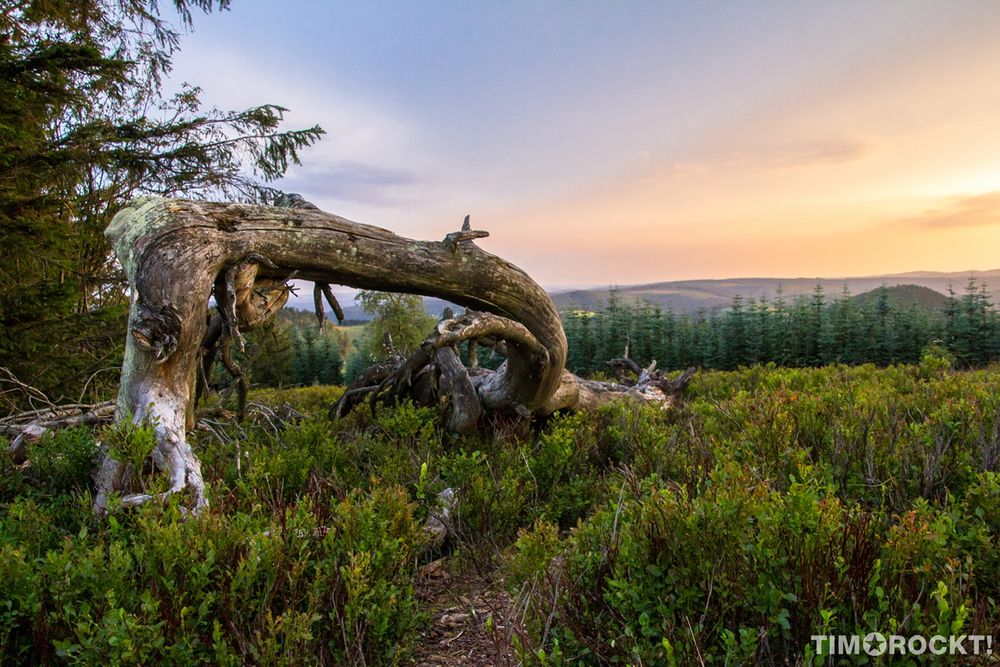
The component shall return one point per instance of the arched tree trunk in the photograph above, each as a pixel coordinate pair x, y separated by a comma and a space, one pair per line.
176, 253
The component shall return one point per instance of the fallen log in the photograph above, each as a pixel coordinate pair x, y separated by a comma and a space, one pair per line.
178, 253
27, 427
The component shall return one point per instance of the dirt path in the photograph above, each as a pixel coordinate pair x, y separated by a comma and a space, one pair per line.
470, 619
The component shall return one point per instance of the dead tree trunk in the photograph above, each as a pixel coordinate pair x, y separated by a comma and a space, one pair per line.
176, 253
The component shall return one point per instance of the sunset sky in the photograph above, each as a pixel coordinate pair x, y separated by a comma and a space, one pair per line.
626, 142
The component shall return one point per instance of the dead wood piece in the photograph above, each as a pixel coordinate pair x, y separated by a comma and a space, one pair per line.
369, 381
18, 449
21, 434
679, 384
10, 384
465, 235
216, 412
338, 312
456, 387
438, 525
450, 383
155, 329
318, 306
175, 252
625, 371
454, 238
473, 354
258, 299
225, 300
467, 392
243, 302
242, 384
51, 417
646, 375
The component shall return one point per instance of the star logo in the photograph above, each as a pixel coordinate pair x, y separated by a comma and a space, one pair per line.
875, 643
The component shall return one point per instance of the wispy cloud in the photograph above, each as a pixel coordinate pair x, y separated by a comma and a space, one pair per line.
959, 211
810, 153
767, 157
355, 182
359, 127
589, 127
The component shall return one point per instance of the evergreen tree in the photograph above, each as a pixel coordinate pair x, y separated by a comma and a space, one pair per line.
842, 331
885, 331
643, 327
85, 127
951, 317
571, 327
968, 329
271, 356
985, 317
577, 325
734, 348
706, 335
800, 335
668, 347
780, 329
601, 335
329, 361
879, 329
304, 361
616, 330
821, 341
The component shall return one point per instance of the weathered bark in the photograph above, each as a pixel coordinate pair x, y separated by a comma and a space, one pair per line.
175, 252
27, 427
437, 361
457, 388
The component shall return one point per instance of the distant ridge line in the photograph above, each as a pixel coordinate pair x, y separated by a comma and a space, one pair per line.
691, 296
713, 294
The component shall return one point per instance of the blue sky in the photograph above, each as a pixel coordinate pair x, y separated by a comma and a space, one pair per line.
626, 142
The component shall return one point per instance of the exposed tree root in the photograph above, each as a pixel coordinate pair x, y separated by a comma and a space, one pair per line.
434, 375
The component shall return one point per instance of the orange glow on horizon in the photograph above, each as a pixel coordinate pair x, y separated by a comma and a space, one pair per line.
783, 140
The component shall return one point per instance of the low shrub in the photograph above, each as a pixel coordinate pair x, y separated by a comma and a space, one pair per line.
777, 504
771, 505
326, 582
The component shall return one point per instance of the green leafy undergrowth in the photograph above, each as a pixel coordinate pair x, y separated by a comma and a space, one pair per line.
327, 581
776, 505
772, 505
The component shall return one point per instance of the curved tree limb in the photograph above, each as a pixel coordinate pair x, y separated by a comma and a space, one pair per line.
175, 252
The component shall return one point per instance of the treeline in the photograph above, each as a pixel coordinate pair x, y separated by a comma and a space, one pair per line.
807, 330
292, 352
882, 327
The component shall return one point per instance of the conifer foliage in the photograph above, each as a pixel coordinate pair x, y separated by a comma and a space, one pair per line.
876, 327
85, 126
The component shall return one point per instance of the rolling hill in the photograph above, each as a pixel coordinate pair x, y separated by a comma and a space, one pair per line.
905, 296
690, 296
